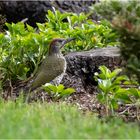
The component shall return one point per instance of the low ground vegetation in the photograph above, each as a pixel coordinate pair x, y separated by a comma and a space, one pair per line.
58, 121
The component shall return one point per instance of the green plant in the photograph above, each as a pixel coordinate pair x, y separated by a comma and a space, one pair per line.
111, 94
125, 18
21, 51
87, 33
58, 91
50, 121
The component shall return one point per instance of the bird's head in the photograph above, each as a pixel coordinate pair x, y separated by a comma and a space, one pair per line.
57, 43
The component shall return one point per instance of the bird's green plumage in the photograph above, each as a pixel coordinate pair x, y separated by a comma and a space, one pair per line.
51, 67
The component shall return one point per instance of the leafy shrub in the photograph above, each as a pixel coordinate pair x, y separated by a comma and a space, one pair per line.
111, 94
87, 33
21, 50
125, 17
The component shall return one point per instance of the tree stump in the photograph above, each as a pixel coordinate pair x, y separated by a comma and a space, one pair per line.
81, 67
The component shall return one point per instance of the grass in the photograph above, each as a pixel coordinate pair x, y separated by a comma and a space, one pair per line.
18, 120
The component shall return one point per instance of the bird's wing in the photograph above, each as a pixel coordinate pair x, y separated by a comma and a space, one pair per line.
49, 70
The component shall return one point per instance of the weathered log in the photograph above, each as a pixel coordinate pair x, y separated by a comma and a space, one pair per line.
81, 67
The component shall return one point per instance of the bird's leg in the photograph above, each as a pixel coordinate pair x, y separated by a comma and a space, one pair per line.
27, 94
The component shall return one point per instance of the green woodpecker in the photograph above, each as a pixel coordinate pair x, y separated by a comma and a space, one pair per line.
54, 65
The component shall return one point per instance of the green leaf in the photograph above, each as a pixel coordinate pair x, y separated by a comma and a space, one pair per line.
50, 87
122, 94
114, 73
30, 28
41, 27
105, 72
68, 91
120, 79
101, 98
104, 85
114, 104
60, 88
135, 92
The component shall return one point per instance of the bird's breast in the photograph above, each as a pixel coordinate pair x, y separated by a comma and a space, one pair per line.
56, 64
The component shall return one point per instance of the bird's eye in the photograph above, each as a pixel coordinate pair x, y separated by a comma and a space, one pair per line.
61, 41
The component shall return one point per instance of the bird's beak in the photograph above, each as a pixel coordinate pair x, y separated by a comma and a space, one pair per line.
67, 41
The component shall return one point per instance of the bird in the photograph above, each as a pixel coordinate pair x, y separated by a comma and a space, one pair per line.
53, 66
